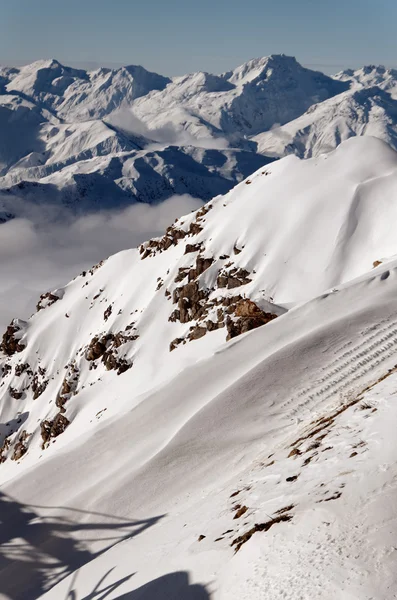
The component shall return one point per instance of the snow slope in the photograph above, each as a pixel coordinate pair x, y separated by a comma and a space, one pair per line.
365, 111
141, 447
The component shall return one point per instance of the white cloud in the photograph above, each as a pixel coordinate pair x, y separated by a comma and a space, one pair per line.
39, 253
166, 135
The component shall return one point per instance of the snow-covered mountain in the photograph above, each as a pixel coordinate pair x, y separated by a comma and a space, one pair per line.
243, 102
107, 138
370, 76
90, 164
364, 111
210, 415
78, 95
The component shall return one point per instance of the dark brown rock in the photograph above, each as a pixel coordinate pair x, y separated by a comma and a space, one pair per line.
197, 333
107, 312
51, 429
14, 393
46, 300
249, 316
10, 344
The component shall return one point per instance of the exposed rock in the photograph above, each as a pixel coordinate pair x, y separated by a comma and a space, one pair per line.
193, 248
249, 316
51, 429
197, 333
96, 267
106, 348
171, 238
69, 386
11, 344
14, 393
38, 387
221, 281
5, 446
202, 264
233, 278
294, 452
107, 312
22, 368
6, 369
189, 298
195, 228
46, 300
182, 272
20, 448
175, 343
96, 348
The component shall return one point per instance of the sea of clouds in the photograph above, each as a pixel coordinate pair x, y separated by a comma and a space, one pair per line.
46, 246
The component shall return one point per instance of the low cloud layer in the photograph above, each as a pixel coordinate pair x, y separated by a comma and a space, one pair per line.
166, 135
40, 254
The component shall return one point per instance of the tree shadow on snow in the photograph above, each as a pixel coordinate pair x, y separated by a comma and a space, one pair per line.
37, 552
173, 586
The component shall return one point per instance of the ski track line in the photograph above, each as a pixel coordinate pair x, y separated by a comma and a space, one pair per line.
351, 366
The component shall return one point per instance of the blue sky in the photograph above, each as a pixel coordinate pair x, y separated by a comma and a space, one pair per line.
178, 36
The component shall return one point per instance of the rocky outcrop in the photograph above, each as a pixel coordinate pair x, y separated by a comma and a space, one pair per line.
248, 316
21, 368
189, 298
4, 448
53, 428
47, 300
106, 348
171, 238
20, 447
233, 278
68, 387
173, 234
11, 339
14, 393
107, 312
39, 383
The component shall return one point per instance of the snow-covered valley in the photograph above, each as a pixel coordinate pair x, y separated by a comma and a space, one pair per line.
211, 415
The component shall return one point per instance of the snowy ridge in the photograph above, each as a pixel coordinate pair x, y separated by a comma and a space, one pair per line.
107, 138
211, 413
365, 111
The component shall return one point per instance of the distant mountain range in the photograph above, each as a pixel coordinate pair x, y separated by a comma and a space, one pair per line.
106, 138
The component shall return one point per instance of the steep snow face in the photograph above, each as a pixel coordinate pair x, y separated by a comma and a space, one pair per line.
80, 95
243, 102
366, 111
283, 236
264, 465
